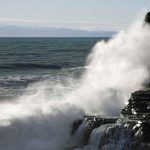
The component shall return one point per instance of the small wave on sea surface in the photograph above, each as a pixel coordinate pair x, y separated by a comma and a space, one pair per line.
13, 84
31, 66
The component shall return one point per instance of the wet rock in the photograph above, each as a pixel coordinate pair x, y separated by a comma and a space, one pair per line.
87, 125
138, 104
130, 131
138, 111
76, 125
93, 122
147, 18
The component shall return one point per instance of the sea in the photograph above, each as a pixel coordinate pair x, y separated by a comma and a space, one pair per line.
24, 61
42, 91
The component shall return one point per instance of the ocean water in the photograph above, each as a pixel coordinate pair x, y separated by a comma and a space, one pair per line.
24, 61
38, 77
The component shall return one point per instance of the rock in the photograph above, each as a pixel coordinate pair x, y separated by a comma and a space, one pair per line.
147, 18
87, 125
93, 122
138, 104
133, 126
138, 111
76, 125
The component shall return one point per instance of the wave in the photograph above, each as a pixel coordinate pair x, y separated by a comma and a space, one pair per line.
84, 67
31, 66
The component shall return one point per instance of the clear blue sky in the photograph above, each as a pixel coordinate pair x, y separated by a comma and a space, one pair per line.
82, 14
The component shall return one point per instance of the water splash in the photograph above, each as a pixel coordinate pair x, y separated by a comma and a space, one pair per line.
115, 69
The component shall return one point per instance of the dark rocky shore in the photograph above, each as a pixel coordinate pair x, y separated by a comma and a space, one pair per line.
130, 131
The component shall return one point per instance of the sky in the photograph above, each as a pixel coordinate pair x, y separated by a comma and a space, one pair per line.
90, 15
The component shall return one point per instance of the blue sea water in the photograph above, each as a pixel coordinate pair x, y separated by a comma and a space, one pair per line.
24, 61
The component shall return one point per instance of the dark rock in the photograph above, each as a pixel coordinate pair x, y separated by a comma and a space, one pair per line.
76, 125
147, 18
93, 122
133, 125
89, 123
139, 104
138, 109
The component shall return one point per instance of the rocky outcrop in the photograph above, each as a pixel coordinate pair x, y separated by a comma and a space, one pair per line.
139, 105
138, 109
147, 18
90, 123
130, 131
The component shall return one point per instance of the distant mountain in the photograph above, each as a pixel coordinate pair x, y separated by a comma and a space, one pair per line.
18, 31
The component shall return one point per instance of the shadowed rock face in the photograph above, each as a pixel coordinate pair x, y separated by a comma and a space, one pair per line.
139, 104
90, 123
147, 18
138, 109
